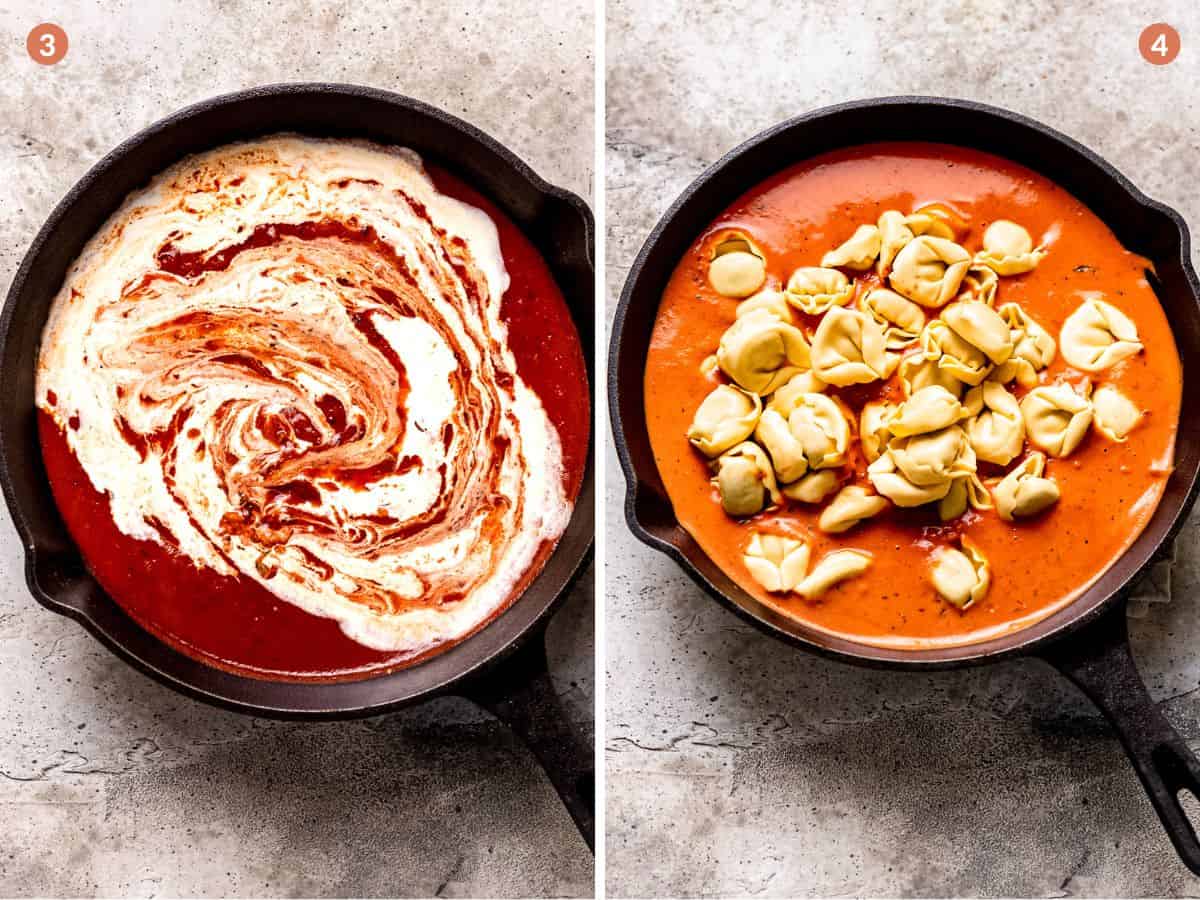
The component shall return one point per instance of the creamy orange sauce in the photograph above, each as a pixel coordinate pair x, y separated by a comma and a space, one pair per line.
1109, 490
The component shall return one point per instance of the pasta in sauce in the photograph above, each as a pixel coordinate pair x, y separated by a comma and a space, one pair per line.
1009, 380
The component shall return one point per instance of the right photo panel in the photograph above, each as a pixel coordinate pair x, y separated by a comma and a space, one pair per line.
904, 358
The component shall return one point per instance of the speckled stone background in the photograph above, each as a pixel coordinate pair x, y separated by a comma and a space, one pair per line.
737, 766
111, 785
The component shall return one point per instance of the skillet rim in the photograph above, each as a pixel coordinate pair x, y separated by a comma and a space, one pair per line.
319, 698
867, 655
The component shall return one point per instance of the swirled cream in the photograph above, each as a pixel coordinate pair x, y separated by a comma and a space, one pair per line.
285, 360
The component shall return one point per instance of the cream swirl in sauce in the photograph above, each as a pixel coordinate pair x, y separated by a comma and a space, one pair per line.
285, 359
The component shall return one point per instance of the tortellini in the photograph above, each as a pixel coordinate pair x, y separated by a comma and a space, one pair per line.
813, 435
995, 429
1008, 248
892, 483
966, 490
922, 468
745, 480
1016, 369
980, 284
961, 577
981, 326
786, 398
936, 220
1024, 491
894, 234
902, 320
874, 428
930, 409
917, 372
958, 357
760, 352
737, 268
773, 302
813, 487
1098, 335
833, 568
929, 270
849, 348
1035, 343
778, 563
821, 426
852, 504
785, 449
1114, 414
859, 252
1056, 418
935, 457
727, 416
781, 434
891, 362
1033, 348
815, 290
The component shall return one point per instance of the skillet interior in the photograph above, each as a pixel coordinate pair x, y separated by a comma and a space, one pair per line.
1142, 225
557, 222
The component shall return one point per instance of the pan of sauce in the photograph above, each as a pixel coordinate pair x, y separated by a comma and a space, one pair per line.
232, 642
841, 166
1108, 491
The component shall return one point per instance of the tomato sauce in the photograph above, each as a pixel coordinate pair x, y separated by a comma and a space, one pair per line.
1109, 490
236, 624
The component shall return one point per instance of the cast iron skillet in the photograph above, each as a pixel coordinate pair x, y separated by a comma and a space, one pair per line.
1087, 640
503, 667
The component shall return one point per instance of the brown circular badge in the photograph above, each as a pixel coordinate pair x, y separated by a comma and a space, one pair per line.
1159, 44
46, 44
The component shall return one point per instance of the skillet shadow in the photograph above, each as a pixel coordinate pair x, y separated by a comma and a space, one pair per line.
777, 773
435, 800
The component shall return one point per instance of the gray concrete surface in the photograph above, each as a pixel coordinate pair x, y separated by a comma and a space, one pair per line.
113, 786
737, 766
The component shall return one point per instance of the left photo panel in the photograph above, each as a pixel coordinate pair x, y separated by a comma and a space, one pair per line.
297, 447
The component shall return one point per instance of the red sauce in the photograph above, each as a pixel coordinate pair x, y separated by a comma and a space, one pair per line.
235, 623
1109, 490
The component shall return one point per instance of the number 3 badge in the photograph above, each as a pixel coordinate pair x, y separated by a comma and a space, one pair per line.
46, 44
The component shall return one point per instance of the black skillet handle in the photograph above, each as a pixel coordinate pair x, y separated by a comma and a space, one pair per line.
1097, 658
519, 693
